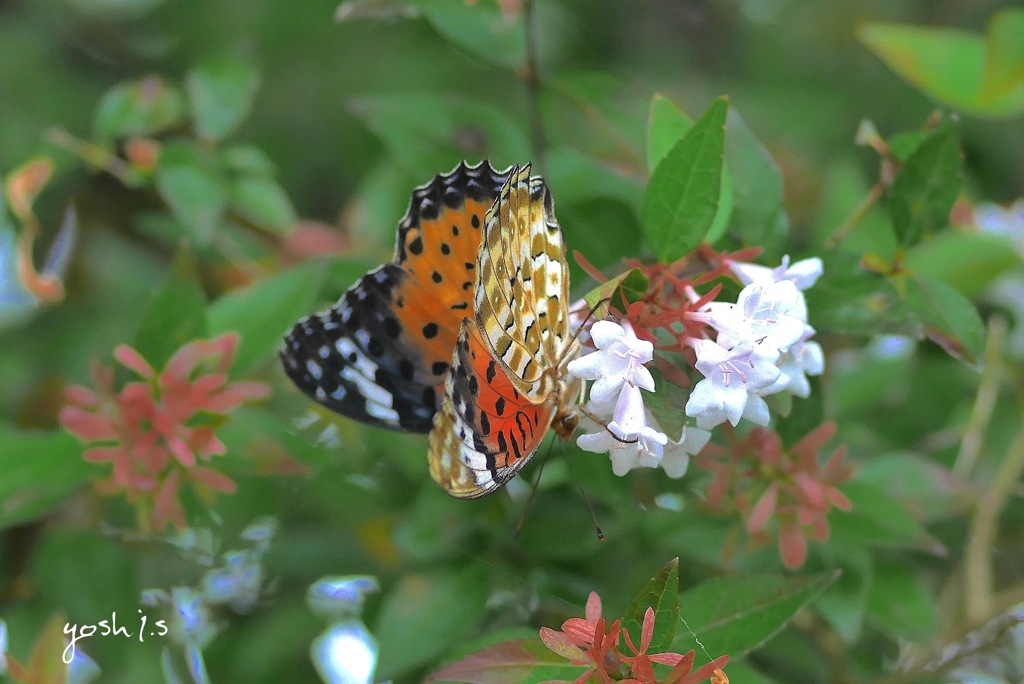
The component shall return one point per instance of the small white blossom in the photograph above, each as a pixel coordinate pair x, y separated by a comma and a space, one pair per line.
772, 316
646, 447
734, 380
631, 449
618, 361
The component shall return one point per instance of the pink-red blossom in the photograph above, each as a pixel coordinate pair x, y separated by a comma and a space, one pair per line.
586, 642
759, 480
155, 432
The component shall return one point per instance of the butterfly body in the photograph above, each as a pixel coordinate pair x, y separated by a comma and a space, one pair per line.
465, 335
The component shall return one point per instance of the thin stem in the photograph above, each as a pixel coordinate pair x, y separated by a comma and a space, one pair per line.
979, 598
96, 156
984, 401
854, 218
531, 79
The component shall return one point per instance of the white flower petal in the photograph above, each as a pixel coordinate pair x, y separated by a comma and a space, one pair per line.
598, 442
629, 410
805, 272
587, 367
755, 410
606, 333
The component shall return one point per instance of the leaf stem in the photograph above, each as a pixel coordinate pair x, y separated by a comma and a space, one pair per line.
851, 221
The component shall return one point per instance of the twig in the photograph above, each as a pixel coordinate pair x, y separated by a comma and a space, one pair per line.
978, 593
851, 221
984, 401
531, 79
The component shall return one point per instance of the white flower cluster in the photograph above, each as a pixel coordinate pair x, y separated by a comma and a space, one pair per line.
763, 345
631, 435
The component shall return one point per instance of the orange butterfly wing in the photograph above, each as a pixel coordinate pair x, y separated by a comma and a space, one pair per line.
381, 354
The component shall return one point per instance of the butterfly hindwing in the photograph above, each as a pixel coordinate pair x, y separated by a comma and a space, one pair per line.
382, 353
486, 430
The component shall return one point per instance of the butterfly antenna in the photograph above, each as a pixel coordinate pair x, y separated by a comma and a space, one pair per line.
583, 493
533, 491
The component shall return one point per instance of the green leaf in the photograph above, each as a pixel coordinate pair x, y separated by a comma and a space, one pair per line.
426, 614
851, 300
668, 404
193, 189
758, 215
947, 318
424, 131
666, 124
247, 159
262, 313
946, 64
523, 661
879, 519
918, 482
970, 262
1004, 54
262, 201
926, 187
479, 28
900, 605
600, 115
633, 285
142, 107
176, 314
682, 196
736, 615
40, 471
56, 573
662, 594
905, 143
221, 93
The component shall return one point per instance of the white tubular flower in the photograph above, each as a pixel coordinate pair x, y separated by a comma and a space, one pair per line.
734, 381
772, 316
647, 447
618, 361
618, 374
776, 317
631, 450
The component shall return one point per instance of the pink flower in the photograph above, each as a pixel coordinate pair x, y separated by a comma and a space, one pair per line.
149, 431
584, 642
756, 478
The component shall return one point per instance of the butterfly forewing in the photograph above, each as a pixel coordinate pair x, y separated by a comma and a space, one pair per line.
382, 353
523, 288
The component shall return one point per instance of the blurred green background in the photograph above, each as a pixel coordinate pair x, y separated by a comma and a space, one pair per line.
794, 69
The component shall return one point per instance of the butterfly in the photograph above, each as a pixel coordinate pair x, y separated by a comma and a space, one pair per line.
464, 335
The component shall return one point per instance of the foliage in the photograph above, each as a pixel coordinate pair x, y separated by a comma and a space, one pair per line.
206, 181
